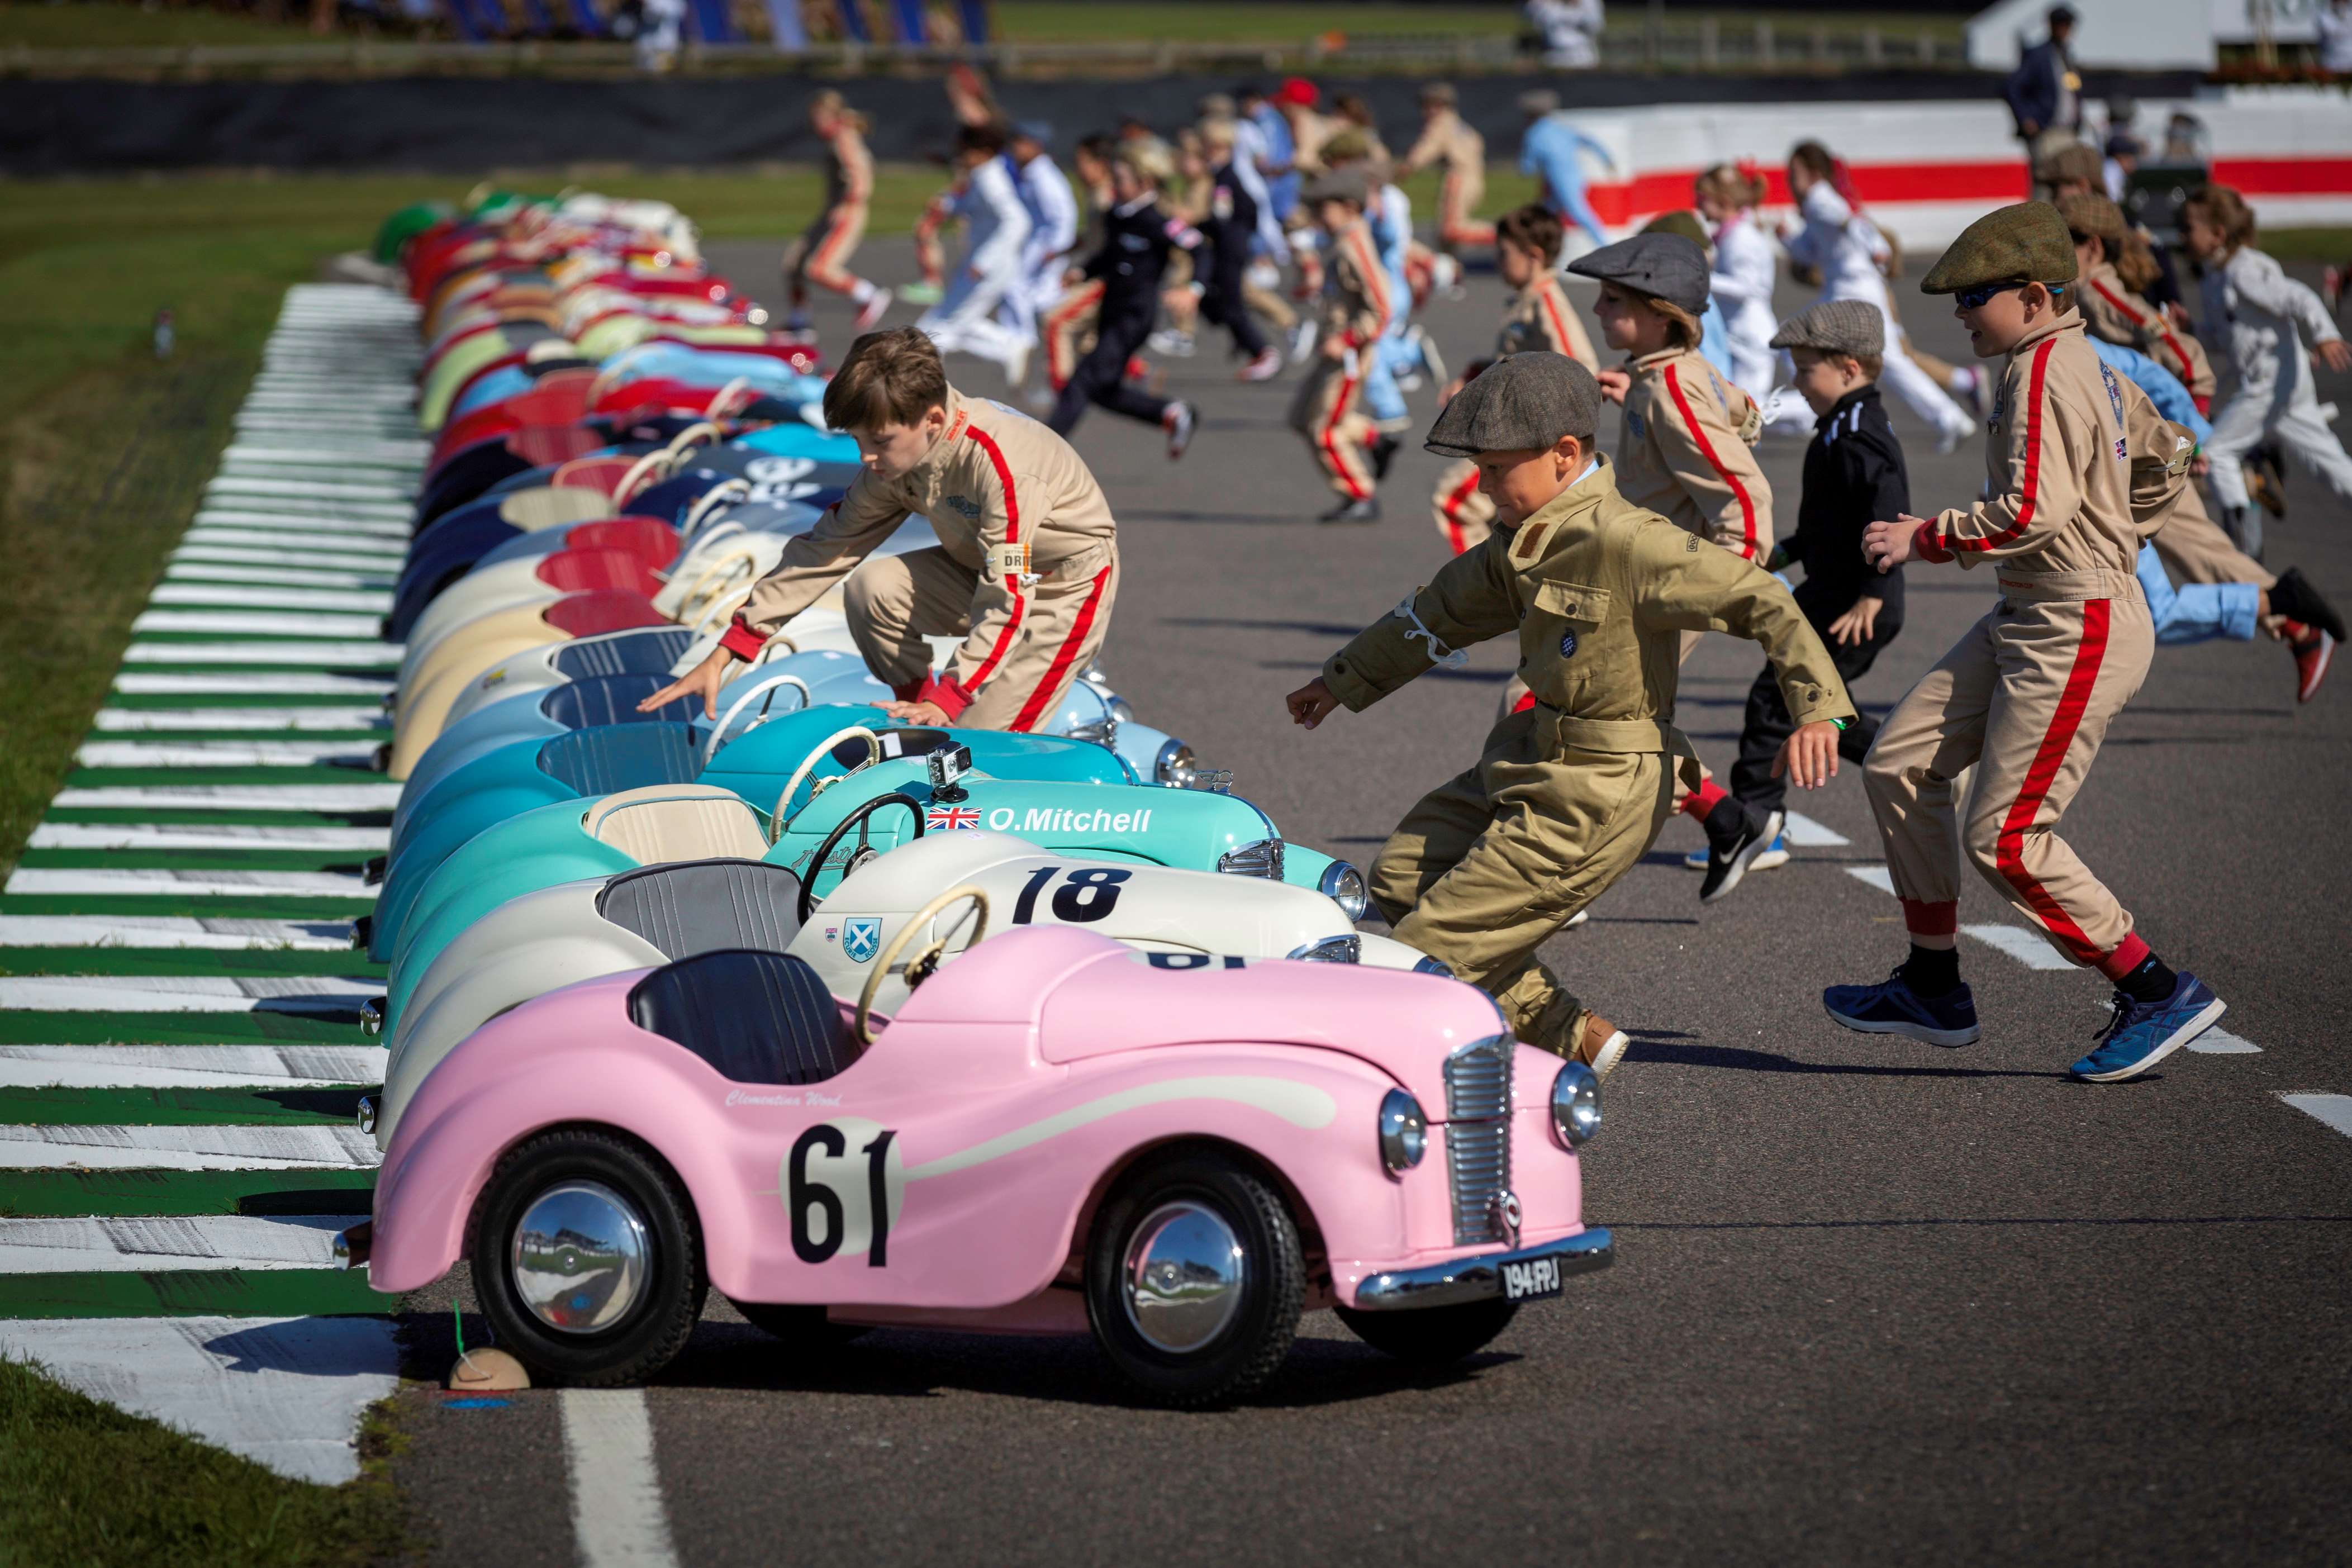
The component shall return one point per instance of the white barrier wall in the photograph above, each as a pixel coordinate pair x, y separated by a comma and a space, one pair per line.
1925, 170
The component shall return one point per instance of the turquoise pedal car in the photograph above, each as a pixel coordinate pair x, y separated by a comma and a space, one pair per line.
828, 826
763, 767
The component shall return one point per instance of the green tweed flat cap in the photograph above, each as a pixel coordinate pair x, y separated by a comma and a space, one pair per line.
1838, 327
2087, 214
2076, 160
2027, 243
1523, 404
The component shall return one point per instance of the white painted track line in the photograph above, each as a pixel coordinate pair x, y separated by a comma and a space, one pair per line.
258, 574
223, 754
284, 1392
191, 1066
108, 1245
236, 622
2335, 1109
2222, 1043
174, 931
298, 654
369, 795
113, 720
188, 992
255, 595
102, 1148
1875, 876
1804, 833
242, 682
2029, 948
168, 883
202, 835
618, 1517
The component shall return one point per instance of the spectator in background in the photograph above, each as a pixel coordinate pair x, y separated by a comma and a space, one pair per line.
1568, 30
2122, 157
2333, 21
1270, 148
2045, 95
1549, 151
1448, 141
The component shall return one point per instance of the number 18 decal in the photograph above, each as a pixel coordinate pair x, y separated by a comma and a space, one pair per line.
843, 1184
1089, 893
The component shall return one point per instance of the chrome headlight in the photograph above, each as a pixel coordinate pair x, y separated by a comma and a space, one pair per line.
1575, 1104
1344, 884
1434, 966
1404, 1132
1349, 949
1175, 760
1262, 858
1120, 711
1102, 732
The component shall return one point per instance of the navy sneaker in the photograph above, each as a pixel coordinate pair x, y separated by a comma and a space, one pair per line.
1726, 866
2141, 1034
1892, 1007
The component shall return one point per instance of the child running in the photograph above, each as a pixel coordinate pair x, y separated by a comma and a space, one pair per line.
1569, 794
1137, 238
2117, 266
1328, 410
2025, 697
1744, 273
820, 256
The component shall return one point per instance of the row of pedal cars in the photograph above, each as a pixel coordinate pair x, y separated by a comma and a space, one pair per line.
679, 1001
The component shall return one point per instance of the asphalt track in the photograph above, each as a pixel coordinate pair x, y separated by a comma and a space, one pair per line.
1875, 1301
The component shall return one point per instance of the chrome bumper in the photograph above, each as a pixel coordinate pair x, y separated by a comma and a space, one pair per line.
353, 1246
1477, 1279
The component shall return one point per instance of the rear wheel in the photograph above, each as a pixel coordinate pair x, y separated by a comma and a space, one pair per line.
1431, 1336
1195, 1279
586, 1259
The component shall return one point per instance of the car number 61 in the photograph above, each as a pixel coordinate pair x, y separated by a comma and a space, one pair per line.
845, 1184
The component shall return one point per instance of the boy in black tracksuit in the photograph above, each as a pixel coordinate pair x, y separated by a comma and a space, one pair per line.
1853, 474
1231, 224
1136, 237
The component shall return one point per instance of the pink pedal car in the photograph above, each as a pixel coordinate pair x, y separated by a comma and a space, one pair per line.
1056, 1133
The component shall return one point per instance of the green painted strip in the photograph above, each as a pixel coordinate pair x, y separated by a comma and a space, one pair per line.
178, 1107
261, 907
350, 860
47, 1029
192, 1292
185, 960
31, 1193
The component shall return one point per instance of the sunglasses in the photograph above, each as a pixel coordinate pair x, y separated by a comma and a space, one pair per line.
1978, 298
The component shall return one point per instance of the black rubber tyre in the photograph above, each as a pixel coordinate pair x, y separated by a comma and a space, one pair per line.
654, 1333
798, 1324
1432, 1336
1246, 1352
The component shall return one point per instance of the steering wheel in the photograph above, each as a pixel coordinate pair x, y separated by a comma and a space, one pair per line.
808, 764
653, 465
864, 851
919, 968
808, 699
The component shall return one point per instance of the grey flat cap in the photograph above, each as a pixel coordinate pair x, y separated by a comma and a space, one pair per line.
1539, 102
1837, 327
1337, 185
1525, 403
1668, 266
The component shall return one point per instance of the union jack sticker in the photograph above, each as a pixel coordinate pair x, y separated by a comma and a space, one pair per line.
950, 819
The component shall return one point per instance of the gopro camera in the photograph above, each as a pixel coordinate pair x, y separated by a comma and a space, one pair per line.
945, 765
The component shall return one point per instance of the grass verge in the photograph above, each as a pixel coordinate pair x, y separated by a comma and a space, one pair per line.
81, 1482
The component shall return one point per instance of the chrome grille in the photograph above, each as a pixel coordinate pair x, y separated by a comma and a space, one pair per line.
1478, 1136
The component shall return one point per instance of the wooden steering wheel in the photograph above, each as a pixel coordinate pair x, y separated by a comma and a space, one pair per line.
808, 765
920, 967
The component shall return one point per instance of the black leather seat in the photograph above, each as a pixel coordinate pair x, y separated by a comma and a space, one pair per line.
612, 700
649, 648
706, 906
616, 757
756, 1017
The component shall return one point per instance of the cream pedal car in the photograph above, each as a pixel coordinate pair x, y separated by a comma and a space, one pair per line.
577, 931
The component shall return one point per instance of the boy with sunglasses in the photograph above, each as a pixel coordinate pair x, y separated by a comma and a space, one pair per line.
2026, 695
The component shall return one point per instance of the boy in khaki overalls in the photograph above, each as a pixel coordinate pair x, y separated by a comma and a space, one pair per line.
1025, 571
1570, 793
2026, 696
1355, 311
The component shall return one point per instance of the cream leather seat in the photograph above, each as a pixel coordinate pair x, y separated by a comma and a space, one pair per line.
663, 823
552, 506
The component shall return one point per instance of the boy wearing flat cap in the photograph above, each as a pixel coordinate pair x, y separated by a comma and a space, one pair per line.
1683, 453
1356, 306
2026, 695
1569, 792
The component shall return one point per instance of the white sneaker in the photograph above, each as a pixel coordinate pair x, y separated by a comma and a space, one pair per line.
1175, 345
1302, 342
1430, 360
1016, 365
871, 312
1443, 273
1179, 423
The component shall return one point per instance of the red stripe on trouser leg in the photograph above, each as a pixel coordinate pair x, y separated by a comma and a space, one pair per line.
2126, 958
1080, 624
1924, 918
1455, 502
825, 266
1340, 469
1703, 799
2009, 848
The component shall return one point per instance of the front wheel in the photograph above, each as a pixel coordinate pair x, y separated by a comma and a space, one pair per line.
586, 1260
1194, 1279
1431, 1336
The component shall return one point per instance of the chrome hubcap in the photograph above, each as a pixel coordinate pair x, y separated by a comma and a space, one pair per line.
580, 1258
1183, 1276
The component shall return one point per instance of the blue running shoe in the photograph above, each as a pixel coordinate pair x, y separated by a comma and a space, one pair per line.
1892, 1007
2141, 1034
